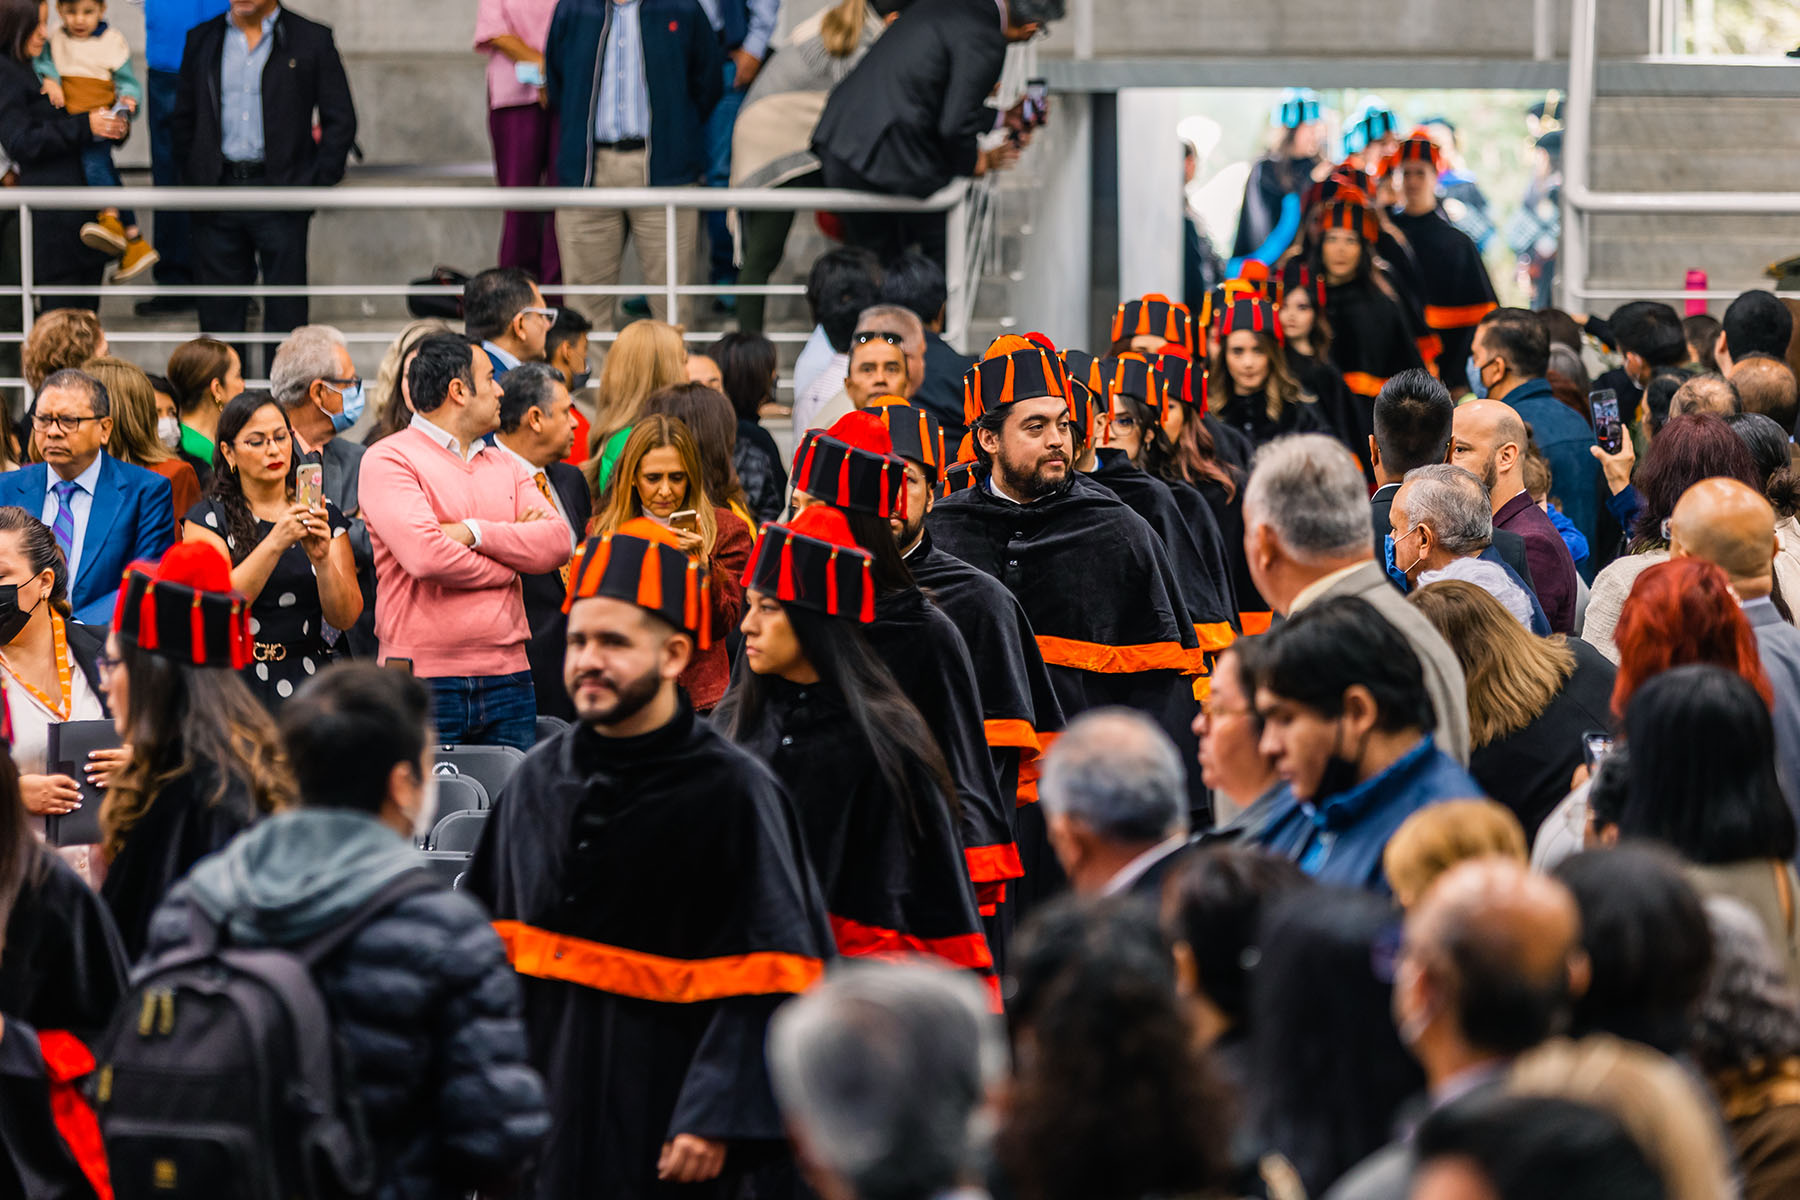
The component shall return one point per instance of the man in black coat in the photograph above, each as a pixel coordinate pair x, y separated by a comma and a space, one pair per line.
537, 427
907, 119
252, 81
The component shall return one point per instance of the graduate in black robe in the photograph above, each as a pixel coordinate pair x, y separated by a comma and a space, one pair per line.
650, 881
64, 966
1372, 336
1092, 577
1020, 712
851, 467
1457, 290
870, 785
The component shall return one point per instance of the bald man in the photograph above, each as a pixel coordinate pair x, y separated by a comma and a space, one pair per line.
1732, 526
1710, 392
1766, 385
1490, 965
1488, 439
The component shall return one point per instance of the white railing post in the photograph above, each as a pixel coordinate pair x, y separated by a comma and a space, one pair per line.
1543, 30
1578, 105
672, 280
958, 307
27, 270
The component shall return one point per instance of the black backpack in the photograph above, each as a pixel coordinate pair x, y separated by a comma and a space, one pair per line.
220, 1077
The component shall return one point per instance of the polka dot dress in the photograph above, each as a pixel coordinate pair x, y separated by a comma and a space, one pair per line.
285, 620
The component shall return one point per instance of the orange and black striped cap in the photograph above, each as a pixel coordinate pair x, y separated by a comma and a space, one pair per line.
1251, 315
1418, 147
1013, 369
914, 432
1350, 213
1154, 315
1182, 381
852, 466
641, 563
814, 561
184, 608
1297, 274
1129, 374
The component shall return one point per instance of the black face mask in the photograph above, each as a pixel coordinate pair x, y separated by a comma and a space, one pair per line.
1340, 773
13, 619
580, 380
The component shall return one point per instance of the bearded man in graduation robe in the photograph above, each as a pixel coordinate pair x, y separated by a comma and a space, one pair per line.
651, 884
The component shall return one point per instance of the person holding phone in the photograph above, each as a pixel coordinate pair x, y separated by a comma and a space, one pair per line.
659, 476
288, 546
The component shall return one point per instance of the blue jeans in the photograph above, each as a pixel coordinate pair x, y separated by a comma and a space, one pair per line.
97, 168
484, 710
175, 267
718, 173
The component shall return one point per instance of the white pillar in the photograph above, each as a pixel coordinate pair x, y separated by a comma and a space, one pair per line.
1056, 261
1150, 196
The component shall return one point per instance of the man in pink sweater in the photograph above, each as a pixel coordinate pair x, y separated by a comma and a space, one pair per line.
454, 523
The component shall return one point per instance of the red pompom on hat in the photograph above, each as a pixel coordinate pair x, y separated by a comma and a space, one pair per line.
853, 466
1254, 270
813, 561
182, 607
863, 430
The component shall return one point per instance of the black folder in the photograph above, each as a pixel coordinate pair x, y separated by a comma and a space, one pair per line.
67, 754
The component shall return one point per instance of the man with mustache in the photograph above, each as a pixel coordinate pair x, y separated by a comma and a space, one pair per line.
647, 877
1093, 578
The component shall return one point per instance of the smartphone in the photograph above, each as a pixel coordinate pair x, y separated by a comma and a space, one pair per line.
1037, 101
1608, 429
1594, 749
119, 110
309, 484
529, 74
687, 520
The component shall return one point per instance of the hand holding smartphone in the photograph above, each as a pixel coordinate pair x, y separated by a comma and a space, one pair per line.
309, 484
1609, 430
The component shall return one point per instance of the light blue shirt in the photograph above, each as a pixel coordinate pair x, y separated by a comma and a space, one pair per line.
240, 91
80, 504
622, 109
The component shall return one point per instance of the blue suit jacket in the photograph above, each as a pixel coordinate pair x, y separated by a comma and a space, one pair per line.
131, 517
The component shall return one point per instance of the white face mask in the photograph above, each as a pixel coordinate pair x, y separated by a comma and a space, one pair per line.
426, 817
168, 432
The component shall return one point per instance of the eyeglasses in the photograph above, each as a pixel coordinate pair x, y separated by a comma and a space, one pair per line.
549, 314
41, 423
1213, 712
105, 664
865, 336
344, 385
258, 441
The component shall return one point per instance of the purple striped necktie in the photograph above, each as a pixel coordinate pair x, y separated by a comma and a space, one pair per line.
64, 524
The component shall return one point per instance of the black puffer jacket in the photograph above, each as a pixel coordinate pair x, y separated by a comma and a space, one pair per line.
428, 1009
759, 469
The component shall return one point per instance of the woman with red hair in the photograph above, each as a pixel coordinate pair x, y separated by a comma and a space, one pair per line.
1679, 612
1692, 447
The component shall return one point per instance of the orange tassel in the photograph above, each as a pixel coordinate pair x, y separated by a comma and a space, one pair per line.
691, 609
147, 617
706, 635
586, 582
650, 589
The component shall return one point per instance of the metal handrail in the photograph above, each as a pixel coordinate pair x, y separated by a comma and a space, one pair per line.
951, 200
1580, 201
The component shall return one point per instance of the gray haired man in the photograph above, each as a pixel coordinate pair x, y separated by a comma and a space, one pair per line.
1306, 538
1441, 515
882, 1073
1115, 803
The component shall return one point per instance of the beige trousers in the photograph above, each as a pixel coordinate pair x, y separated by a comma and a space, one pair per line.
592, 241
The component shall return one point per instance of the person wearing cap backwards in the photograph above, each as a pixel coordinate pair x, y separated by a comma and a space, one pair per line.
1021, 715
650, 882
852, 468
1458, 292
206, 760
1285, 171
1372, 336
1091, 575
870, 786
1128, 399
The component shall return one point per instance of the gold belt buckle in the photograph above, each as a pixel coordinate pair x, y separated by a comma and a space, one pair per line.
271, 651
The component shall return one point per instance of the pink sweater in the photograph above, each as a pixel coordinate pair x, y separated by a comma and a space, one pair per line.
453, 610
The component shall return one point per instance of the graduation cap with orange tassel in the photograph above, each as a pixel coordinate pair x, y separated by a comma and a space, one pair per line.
1297, 274
183, 608
1129, 374
959, 477
1013, 369
1182, 381
814, 561
1349, 212
1253, 316
1417, 147
1154, 315
914, 433
642, 563
852, 466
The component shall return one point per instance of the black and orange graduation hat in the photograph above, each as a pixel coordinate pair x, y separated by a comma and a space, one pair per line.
183, 608
1182, 381
1221, 298
1253, 316
1084, 382
1349, 212
814, 561
1295, 273
1129, 374
914, 433
1417, 147
852, 466
642, 563
1156, 315
1013, 369
959, 477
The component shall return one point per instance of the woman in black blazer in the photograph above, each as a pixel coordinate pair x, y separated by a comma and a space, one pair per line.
45, 144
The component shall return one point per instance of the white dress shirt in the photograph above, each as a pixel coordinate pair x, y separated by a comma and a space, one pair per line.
80, 505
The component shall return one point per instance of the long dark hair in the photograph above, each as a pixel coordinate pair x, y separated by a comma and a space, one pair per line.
747, 369
1703, 778
1155, 455
1326, 1080
875, 535
38, 544
21, 858
227, 488
18, 21
1114, 1101
1194, 459
177, 716
908, 758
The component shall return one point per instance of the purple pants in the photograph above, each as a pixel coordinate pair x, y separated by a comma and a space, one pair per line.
524, 138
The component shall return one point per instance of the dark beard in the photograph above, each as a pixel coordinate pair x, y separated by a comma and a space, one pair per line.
633, 698
1036, 486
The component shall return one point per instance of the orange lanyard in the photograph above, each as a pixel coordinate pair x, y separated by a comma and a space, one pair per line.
63, 675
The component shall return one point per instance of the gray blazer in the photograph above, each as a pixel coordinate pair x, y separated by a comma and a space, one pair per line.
1443, 671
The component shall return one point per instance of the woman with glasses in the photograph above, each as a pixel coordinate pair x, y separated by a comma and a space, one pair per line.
289, 554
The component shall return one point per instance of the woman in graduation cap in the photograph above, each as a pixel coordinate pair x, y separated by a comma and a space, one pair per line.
869, 783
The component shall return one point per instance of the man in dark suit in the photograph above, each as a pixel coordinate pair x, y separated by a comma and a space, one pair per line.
537, 427
1115, 804
106, 514
504, 313
906, 120
251, 83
